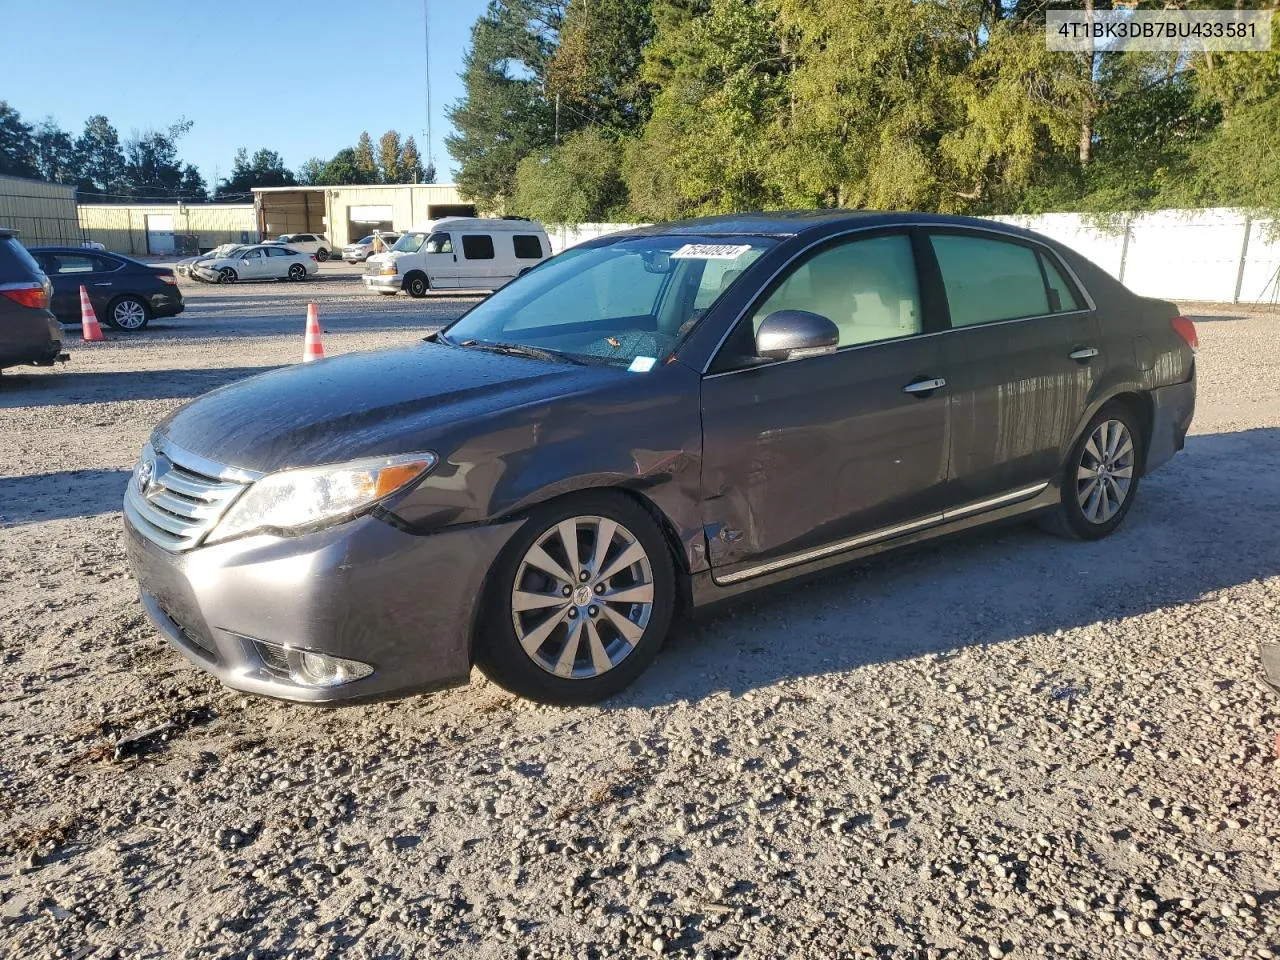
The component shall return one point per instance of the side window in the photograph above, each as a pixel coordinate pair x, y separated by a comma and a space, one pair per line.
279, 252
439, 243
1061, 295
989, 280
868, 288
528, 246
252, 254
77, 263
477, 246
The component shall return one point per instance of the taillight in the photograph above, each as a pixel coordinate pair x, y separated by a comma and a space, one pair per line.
168, 278
1186, 330
36, 297
313, 256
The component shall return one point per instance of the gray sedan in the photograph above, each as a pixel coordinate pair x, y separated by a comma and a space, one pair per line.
654, 420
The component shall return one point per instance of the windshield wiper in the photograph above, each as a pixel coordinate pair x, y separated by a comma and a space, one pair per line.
520, 350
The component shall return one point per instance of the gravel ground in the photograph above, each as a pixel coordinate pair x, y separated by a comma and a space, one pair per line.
1004, 746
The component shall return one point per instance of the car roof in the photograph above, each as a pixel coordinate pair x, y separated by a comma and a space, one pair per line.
8, 232
482, 224
94, 250
791, 223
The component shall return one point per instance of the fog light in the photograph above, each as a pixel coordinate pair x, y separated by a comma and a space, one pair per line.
320, 670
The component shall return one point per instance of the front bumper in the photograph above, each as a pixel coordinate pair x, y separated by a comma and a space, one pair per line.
375, 282
362, 590
1172, 410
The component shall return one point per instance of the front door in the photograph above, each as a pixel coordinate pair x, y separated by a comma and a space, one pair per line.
441, 260
1027, 354
801, 456
254, 265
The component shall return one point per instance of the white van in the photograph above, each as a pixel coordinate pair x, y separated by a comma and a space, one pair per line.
458, 253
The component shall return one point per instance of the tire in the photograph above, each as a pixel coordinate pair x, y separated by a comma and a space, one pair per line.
297, 272
1113, 447
387, 293
322, 254
128, 313
527, 651
227, 275
416, 285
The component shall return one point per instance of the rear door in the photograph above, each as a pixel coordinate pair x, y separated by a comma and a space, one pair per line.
810, 457
1025, 345
529, 250
69, 271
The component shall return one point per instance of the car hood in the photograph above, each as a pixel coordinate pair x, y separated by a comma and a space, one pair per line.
377, 403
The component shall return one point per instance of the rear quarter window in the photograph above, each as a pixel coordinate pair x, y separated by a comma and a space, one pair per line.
527, 246
16, 262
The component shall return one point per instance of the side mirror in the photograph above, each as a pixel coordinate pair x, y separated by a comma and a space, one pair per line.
792, 334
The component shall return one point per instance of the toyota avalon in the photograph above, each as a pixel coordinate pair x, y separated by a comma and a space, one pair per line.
648, 422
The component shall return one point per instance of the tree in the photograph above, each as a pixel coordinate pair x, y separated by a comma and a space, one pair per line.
580, 181
311, 171
100, 161
16, 144
389, 157
411, 170
152, 169
596, 70
53, 153
504, 115
264, 169
365, 162
341, 170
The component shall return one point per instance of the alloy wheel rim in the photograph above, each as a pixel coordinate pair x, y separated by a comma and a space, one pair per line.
583, 597
129, 314
1105, 472
296, 271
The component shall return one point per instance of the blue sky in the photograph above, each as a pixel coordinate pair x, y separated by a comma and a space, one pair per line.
332, 69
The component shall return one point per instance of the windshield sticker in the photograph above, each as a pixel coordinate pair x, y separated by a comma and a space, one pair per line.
711, 251
642, 364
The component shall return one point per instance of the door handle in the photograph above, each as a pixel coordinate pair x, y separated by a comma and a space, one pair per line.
104, 283
924, 386
1081, 354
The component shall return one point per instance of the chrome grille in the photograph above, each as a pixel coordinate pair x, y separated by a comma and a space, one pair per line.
175, 498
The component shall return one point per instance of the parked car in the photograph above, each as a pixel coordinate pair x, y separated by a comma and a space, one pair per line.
659, 418
29, 332
125, 293
363, 248
263, 261
183, 266
315, 243
458, 253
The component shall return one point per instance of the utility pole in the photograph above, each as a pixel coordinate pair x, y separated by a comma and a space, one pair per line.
426, 52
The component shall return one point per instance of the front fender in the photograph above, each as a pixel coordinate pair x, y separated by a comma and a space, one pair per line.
639, 432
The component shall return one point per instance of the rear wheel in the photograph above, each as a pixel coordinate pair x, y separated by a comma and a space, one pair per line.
579, 602
127, 313
297, 272
416, 285
1101, 476
322, 254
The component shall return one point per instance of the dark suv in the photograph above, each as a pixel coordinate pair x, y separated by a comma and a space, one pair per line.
29, 333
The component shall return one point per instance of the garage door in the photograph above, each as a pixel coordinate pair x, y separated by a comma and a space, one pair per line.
159, 234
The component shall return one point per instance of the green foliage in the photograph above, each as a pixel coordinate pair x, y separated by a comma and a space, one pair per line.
366, 162
264, 169
579, 181
504, 114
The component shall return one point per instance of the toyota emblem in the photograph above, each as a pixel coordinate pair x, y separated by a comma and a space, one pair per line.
144, 474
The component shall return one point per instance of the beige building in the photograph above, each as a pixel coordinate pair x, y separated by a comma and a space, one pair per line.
345, 214
42, 213
166, 229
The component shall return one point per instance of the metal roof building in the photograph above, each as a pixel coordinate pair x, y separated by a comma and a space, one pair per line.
345, 214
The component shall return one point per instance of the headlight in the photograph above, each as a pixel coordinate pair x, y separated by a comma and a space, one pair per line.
295, 501
388, 269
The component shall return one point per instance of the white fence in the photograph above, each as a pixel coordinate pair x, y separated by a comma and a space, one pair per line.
1218, 255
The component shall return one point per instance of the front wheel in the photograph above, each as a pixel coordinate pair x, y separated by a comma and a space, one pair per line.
322, 254
297, 272
579, 602
1101, 476
417, 285
227, 275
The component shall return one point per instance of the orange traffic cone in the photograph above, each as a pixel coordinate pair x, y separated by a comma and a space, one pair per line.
89, 328
312, 348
